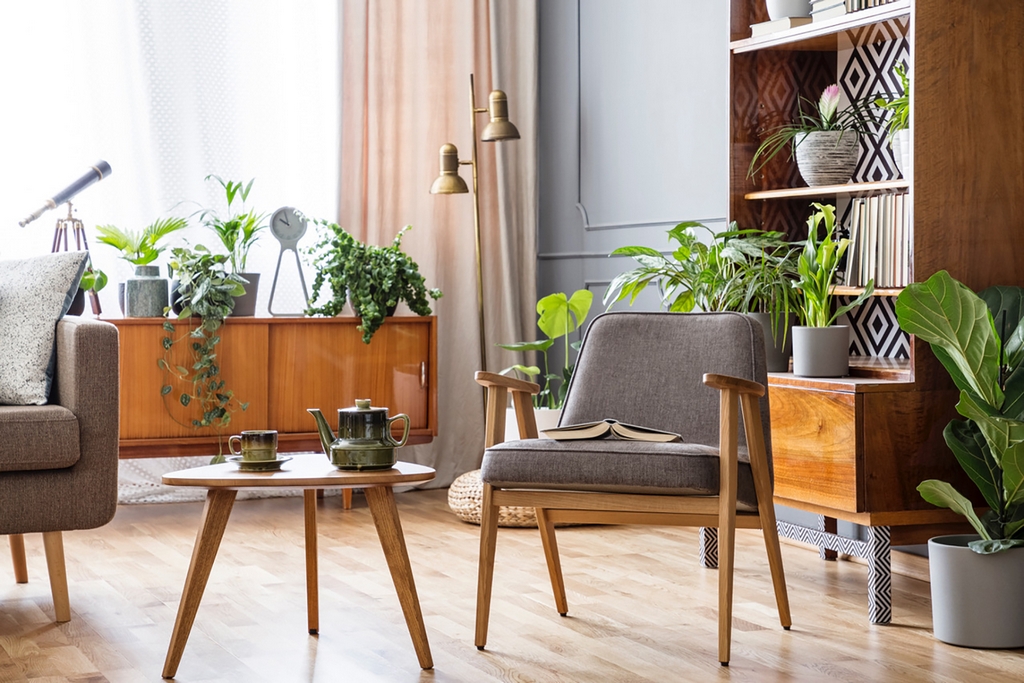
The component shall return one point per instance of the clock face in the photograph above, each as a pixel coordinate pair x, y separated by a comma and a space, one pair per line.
287, 225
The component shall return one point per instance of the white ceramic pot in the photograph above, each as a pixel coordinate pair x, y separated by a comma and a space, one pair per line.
546, 419
977, 600
901, 151
827, 157
821, 351
780, 9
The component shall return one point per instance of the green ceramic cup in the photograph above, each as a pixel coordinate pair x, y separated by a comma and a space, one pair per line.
255, 444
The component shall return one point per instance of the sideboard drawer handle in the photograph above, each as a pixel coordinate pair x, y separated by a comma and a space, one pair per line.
423, 374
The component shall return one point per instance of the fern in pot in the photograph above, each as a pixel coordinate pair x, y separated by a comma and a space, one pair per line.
976, 581
820, 347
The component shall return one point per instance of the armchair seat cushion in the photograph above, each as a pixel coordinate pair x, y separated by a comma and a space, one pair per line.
614, 466
37, 438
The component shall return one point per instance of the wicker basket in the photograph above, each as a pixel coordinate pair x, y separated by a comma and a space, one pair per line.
465, 498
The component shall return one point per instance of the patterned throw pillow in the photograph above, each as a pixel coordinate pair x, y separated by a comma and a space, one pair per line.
34, 294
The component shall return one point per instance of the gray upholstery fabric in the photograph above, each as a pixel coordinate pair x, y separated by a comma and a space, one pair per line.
646, 369
37, 438
613, 466
84, 495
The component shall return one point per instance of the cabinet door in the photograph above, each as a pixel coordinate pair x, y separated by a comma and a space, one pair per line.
326, 365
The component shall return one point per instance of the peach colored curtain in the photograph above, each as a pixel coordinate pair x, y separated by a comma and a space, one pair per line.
405, 92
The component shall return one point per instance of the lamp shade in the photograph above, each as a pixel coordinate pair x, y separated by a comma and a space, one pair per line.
449, 181
500, 128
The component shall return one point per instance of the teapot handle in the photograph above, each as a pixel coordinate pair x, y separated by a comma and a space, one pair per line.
405, 433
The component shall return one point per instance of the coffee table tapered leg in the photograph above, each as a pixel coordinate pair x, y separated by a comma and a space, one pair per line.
211, 530
381, 500
312, 588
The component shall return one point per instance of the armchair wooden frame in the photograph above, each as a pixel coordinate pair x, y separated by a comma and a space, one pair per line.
556, 506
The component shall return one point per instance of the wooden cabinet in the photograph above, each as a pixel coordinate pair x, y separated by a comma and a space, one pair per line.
280, 367
856, 448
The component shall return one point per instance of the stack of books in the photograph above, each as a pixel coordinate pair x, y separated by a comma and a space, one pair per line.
881, 240
827, 9
856, 5
766, 27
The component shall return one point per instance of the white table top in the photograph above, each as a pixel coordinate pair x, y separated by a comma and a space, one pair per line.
303, 471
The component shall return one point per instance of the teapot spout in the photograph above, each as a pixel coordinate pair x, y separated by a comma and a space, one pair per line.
326, 435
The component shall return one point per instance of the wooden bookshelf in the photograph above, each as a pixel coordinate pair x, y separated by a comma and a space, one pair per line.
847, 189
822, 36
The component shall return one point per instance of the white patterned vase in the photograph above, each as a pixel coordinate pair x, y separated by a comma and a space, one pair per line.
901, 151
827, 157
780, 9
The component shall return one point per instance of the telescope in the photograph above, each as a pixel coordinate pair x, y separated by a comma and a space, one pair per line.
95, 173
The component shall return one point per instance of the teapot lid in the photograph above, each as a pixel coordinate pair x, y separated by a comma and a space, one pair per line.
363, 406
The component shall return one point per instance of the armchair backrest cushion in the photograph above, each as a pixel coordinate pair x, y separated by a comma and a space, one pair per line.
647, 369
35, 293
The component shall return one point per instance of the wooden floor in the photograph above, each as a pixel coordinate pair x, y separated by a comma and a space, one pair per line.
640, 607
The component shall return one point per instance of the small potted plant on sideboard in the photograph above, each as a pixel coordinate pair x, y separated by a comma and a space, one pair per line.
145, 295
977, 582
238, 233
820, 347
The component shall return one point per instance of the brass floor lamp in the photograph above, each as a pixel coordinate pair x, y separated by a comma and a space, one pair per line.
449, 181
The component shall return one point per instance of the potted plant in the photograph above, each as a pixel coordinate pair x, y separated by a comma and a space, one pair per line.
208, 292
238, 233
373, 279
977, 591
93, 280
820, 348
767, 277
899, 121
825, 142
145, 295
558, 316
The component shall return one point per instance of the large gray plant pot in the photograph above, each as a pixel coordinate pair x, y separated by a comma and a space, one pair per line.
821, 351
977, 600
145, 295
827, 157
780, 9
777, 350
245, 305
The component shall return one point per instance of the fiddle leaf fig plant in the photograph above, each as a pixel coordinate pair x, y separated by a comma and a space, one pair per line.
817, 267
979, 339
373, 279
558, 316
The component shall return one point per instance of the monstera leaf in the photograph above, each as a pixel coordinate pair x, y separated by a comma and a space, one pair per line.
560, 315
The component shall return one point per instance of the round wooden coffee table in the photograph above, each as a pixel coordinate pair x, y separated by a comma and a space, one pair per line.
309, 472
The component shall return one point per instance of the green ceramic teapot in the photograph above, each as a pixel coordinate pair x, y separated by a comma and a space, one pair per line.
364, 440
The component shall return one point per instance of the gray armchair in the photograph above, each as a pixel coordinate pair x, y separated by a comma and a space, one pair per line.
685, 373
58, 462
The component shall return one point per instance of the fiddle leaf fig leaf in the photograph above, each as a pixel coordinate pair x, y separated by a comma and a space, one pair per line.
943, 495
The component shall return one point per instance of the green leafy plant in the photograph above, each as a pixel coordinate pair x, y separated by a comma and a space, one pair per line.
979, 339
140, 247
817, 266
374, 279
207, 291
239, 232
92, 279
558, 316
898, 105
825, 115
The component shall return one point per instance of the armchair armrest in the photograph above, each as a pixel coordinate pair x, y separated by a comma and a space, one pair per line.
729, 383
491, 379
498, 387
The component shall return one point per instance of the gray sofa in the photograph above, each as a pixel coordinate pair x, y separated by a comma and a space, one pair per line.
58, 462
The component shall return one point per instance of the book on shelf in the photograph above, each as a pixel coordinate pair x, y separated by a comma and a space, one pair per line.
881, 240
820, 5
766, 27
830, 13
857, 5
609, 429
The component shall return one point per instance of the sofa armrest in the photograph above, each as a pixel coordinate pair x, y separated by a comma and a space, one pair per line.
86, 383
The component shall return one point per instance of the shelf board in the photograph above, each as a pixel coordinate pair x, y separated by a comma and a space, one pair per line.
823, 36
867, 374
843, 290
852, 189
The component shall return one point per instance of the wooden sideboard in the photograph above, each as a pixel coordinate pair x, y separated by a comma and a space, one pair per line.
280, 367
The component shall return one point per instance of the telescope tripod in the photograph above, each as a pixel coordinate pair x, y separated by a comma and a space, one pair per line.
61, 242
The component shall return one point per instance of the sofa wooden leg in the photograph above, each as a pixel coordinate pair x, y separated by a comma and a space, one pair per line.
53, 543
17, 542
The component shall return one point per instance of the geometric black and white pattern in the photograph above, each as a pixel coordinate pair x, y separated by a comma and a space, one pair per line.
876, 331
708, 547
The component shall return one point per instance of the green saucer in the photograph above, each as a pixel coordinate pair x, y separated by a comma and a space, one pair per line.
258, 465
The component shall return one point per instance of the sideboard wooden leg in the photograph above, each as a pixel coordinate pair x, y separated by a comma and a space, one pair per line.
829, 526
312, 583
346, 499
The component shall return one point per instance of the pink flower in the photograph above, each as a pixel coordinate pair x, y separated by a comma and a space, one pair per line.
829, 103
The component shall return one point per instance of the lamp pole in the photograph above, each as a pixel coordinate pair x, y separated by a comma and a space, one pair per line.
473, 111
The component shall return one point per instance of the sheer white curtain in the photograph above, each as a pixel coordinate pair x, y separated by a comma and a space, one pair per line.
166, 91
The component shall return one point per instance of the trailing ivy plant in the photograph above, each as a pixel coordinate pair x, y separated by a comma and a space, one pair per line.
207, 292
373, 279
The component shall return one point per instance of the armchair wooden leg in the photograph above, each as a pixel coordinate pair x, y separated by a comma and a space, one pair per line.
17, 542
765, 507
547, 537
485, 576
53, 543
728, 447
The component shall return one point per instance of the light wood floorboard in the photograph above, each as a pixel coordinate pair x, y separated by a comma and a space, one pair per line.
640, 607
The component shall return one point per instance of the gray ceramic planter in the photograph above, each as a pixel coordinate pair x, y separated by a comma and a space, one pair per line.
245, 305
821, 351
827, 157
777, 352
145, 295
977, 600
